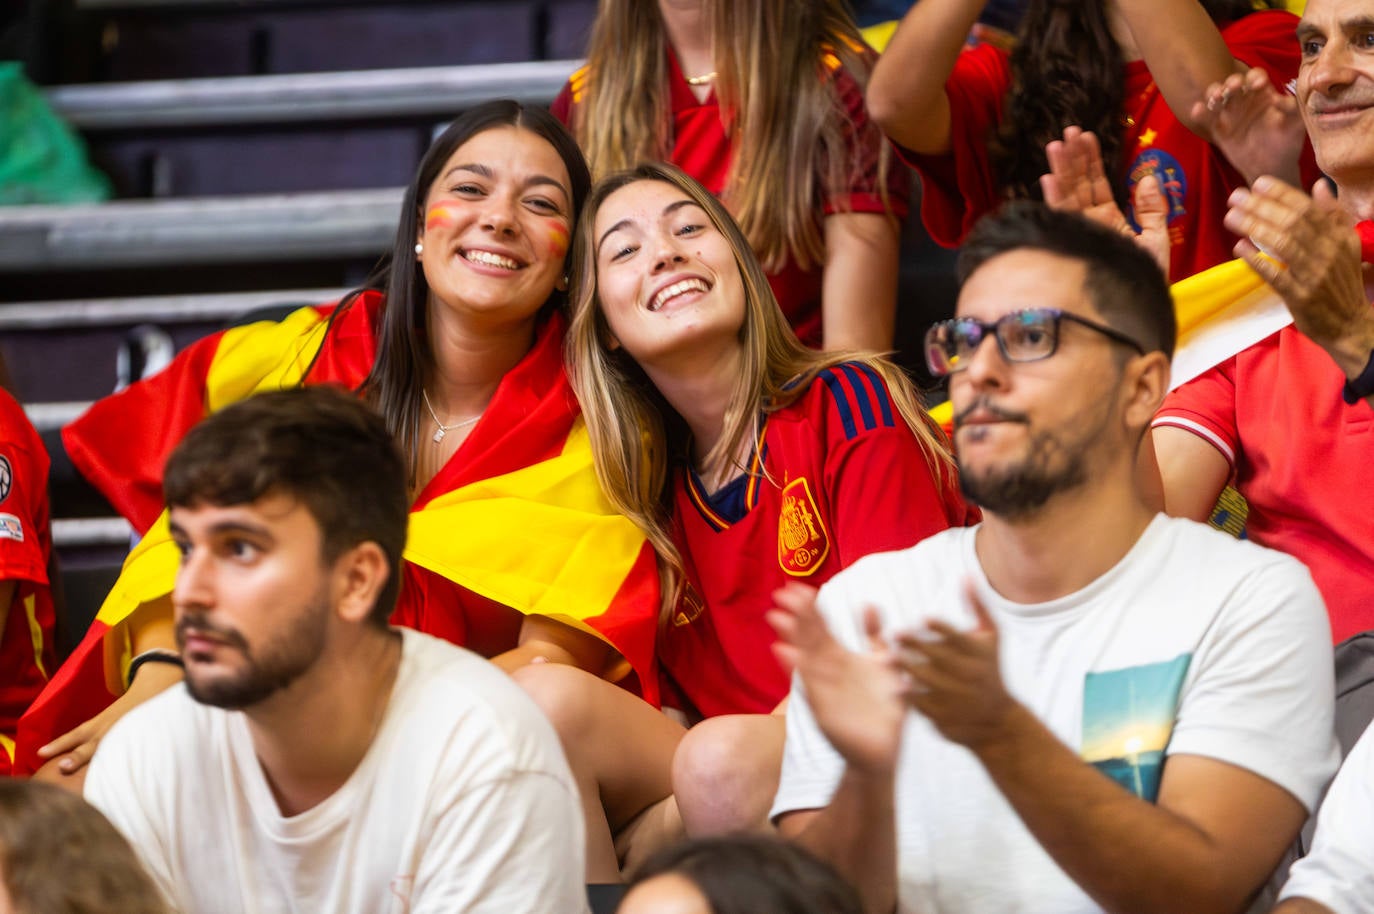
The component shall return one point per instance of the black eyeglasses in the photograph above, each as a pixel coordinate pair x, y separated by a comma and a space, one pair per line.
1022, 336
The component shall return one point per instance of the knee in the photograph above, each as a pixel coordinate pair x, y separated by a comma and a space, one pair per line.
562, 692
725, 773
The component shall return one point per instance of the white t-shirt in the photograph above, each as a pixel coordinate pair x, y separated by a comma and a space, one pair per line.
1193, 643
1339, 870
464, 802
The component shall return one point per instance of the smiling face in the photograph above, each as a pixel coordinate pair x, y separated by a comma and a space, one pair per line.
495, 227
1336, 86
666, 278
252, 598
1026, 431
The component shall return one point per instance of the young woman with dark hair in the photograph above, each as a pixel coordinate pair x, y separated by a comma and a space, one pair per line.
457, 342
976, 123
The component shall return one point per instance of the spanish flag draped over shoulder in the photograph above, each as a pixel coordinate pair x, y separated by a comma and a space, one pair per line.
517, 516
1220, 312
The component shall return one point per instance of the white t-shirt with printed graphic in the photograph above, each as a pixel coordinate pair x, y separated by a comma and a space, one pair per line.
464, 802
1193, 643
1339, 870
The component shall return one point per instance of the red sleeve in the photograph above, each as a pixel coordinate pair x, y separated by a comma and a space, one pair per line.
958, 188
865, 144
882, 492
1206, 406
122, 442
1268, 39
23, 497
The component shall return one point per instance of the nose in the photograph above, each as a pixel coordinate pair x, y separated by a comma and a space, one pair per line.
667, 252
498, 215
984, 366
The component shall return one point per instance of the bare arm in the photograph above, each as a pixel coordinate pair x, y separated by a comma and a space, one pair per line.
859, 289
856, 701
554, 642
1192, 472
1183, 50
150, 626
1206, 845
906, 93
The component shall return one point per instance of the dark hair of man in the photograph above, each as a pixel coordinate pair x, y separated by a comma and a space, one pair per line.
1123, 283
404, 364
320, 445
1066, 70
755, 874
59, 855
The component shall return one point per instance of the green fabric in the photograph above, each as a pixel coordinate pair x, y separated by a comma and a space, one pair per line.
41, 159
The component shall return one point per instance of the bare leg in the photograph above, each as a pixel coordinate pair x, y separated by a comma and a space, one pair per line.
726, 771
620, 750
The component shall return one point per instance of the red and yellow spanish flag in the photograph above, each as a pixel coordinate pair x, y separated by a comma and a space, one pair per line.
521, 520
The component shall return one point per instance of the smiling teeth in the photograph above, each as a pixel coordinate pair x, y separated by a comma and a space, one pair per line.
677, 288
490, 259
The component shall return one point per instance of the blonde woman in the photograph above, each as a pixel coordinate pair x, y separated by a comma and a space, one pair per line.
762, 102
748, 461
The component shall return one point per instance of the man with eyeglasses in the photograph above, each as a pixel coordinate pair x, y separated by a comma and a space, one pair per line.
1113, 709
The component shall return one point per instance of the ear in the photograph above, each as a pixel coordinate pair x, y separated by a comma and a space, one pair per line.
1145, 382
360, 574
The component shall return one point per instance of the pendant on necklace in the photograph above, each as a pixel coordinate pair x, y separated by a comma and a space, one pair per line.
439, 434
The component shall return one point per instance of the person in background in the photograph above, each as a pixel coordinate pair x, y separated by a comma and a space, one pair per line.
762, 102
27, 612
1132, 72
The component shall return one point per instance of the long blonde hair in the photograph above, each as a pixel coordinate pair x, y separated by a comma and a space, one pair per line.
636, 434
775, 62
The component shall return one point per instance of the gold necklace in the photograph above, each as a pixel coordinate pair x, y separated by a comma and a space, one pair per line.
443, 429
701, 80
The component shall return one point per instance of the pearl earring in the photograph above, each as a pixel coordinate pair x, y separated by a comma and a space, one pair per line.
419, 248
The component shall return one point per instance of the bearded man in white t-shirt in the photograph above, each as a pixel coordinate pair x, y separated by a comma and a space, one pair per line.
316, 759
1113, 710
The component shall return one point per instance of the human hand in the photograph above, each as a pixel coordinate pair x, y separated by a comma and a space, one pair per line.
856, 698
1077, 182
955, 677
1256, 126
68, 755
1307, 249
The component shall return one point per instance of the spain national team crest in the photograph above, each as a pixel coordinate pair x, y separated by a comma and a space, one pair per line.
690, 606
803, 543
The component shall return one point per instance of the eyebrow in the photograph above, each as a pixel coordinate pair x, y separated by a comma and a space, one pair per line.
223, 527
667, 211
1307, 29
535, 180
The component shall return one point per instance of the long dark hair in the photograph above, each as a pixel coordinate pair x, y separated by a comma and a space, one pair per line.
1066, 69
405, 364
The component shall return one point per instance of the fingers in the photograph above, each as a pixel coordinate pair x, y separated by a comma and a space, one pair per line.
1324, 196
77, 759
980, 612
66, 742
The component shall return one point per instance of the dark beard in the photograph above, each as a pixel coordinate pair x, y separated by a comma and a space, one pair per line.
1018, 492
281, 662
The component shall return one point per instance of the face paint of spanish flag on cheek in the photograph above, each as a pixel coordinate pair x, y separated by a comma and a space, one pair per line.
441, 215
558, 238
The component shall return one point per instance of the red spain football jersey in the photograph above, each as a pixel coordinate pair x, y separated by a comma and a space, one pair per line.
834, 476
26, 650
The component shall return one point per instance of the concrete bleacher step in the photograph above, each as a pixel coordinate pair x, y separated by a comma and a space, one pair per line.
292, 98
146, 233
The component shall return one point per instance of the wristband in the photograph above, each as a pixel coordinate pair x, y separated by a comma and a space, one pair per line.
1357, 388
156, 655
